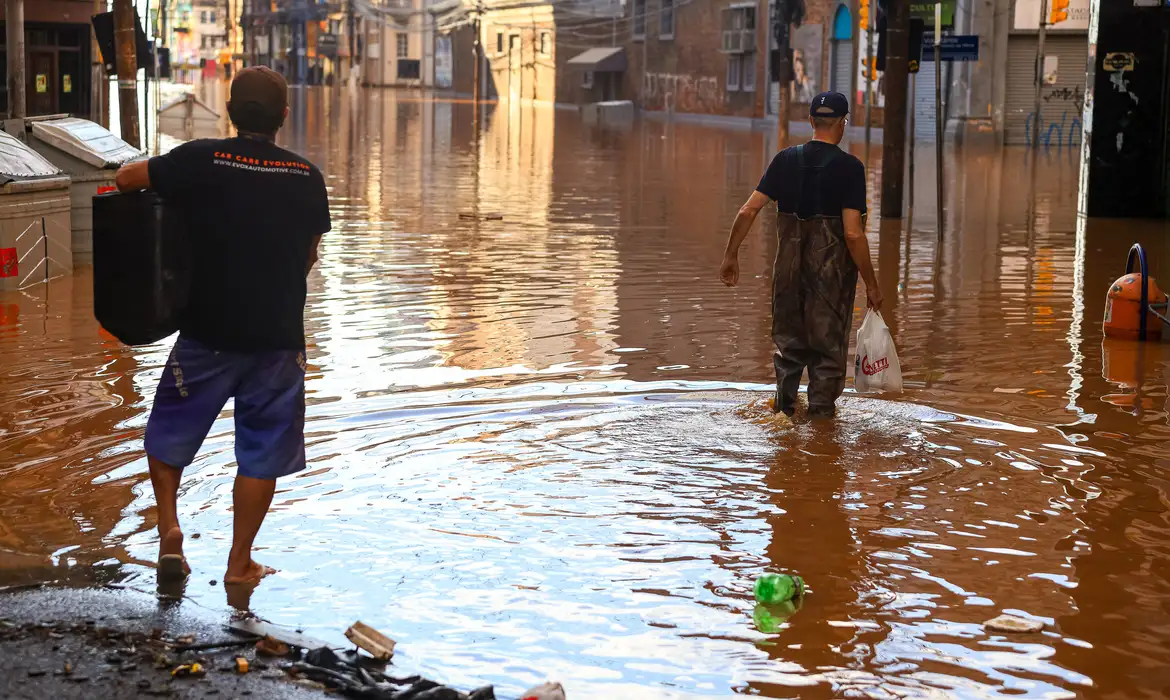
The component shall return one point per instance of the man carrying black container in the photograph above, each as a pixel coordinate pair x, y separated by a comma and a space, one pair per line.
256, 214
819, 192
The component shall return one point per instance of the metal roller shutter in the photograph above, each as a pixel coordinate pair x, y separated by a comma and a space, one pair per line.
924, 126
1061, 104
842, 66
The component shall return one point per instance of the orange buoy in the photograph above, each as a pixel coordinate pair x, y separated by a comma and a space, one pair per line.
1123, 309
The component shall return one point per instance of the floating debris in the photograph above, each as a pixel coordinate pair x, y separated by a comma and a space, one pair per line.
1011, 623
365, 637
546, 691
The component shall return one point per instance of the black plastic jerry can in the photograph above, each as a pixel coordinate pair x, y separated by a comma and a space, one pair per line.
141, 266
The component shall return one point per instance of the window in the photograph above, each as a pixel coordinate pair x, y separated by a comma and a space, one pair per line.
734, 68
748, 83
211, 17
666, 20
499, 42
639, 19
587, 80
739, 30
403, 45
545, 44
203, 17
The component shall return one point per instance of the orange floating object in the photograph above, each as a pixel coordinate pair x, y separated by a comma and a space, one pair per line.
1123, 309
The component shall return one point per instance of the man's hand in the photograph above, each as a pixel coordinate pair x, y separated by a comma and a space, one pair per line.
133, 177
873, 297
729, 271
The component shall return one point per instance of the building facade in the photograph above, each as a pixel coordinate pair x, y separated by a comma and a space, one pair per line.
58, 57
298, 38
398, 36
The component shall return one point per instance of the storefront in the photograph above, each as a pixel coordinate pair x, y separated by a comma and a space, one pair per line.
57, 67
1062, 95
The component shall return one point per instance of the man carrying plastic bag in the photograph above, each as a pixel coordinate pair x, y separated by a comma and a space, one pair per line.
877, 366
819, 192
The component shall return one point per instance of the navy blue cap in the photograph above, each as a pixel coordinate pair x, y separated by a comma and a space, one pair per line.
829, 104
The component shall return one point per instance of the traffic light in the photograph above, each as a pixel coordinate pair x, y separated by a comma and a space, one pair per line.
863, 14
1059, 12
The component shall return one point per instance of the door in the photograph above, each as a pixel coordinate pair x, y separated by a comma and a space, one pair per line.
514, 68
41, 86
1062, 97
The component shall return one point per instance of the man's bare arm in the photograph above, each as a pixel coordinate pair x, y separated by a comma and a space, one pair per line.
133, 177
859, 250
729, 270
314, 254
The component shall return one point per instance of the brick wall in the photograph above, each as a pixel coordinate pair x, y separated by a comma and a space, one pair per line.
688, 72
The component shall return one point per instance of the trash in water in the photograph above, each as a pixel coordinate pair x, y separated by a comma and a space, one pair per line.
771, 619
546, 691
772, 589
241, 664
1011, 623
365, 637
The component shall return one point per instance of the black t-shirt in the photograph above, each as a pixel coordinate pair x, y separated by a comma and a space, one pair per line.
836, 176
253, 210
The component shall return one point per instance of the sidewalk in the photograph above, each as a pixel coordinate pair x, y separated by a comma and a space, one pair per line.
63, 643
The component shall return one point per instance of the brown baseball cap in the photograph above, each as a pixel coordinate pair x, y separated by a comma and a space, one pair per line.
262, 87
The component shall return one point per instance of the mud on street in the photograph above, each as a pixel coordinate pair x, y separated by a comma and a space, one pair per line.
539, 448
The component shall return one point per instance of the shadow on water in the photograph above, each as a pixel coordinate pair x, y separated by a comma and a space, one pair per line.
538, 442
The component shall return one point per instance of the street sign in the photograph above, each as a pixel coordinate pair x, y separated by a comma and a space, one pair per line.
925, 11
955, 47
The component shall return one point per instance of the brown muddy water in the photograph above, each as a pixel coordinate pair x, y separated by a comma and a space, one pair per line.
538, 447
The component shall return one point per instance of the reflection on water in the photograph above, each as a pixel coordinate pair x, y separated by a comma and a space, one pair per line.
537, 444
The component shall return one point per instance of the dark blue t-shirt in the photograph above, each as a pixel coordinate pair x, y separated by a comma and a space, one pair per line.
253, 210
832, 177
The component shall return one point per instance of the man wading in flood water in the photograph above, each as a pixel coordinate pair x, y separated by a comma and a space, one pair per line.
819, 192
256, 214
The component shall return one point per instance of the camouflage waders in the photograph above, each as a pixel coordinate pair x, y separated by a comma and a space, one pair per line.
813, 285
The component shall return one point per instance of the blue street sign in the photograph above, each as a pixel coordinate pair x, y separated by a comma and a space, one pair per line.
955, 47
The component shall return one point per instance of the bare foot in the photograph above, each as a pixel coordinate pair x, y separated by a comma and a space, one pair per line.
171, 562
249, 575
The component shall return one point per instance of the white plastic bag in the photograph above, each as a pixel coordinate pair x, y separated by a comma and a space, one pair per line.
877, 368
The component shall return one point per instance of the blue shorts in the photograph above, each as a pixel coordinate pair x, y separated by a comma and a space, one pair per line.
269, 389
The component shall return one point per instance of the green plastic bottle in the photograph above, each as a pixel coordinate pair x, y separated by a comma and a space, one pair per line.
778, 588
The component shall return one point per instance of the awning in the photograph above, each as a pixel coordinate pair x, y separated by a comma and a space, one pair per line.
601, 60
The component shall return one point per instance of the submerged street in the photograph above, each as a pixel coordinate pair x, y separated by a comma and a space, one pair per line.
540, 445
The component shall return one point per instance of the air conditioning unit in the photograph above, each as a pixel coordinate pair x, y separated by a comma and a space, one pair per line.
747, 40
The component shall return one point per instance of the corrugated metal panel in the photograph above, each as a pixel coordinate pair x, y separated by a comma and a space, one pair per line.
842, 66
924, 126
1061, 104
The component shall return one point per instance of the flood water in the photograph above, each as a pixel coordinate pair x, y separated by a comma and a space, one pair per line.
539, 446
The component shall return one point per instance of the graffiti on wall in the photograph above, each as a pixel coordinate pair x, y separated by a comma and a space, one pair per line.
682, 93
1065, 131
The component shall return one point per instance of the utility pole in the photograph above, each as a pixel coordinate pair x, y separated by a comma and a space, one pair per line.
868, 22
126, 52
14, 24
351, 21
894, 134
1039, 72
940, 132
100, 89
478, 61
784, 68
